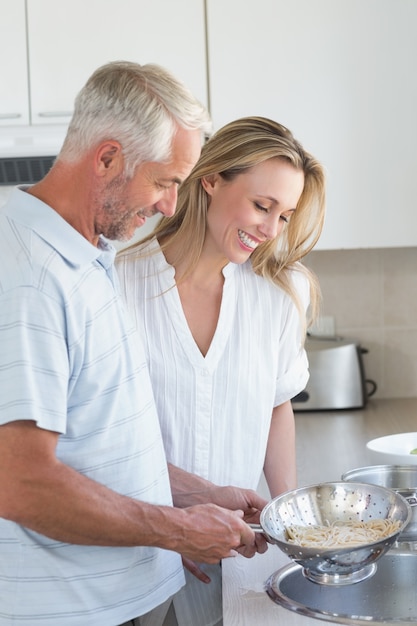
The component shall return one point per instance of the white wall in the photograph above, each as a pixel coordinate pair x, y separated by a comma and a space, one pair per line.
341, 75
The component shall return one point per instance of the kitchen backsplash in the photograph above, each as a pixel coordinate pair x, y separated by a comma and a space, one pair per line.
372, 296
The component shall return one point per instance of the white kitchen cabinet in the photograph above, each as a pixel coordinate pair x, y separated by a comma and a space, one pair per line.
14, 100
341, 75
69, 39
49, 51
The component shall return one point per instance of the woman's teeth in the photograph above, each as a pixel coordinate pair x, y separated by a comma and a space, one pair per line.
246, 240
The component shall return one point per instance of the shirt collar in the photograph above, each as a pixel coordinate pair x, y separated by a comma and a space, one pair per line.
50, 226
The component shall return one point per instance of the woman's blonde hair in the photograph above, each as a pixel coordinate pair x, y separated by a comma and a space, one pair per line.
232, 150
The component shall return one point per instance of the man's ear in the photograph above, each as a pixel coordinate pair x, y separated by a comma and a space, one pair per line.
109, 158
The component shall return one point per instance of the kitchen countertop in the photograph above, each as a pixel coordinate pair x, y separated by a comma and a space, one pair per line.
329, 443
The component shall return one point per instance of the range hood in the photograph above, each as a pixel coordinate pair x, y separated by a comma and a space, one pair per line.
27, 152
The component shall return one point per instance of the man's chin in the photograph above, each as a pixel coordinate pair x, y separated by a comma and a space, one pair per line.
128, 234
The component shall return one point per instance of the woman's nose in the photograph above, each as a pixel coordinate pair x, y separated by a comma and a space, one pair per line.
271, 226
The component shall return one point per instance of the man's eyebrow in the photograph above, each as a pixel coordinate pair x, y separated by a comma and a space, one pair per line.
174, 179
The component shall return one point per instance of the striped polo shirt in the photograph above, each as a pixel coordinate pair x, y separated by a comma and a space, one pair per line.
71, 361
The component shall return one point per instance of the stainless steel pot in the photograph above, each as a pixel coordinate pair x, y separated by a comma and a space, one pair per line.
400, 478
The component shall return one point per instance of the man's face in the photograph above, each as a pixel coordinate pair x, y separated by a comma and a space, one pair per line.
123, 205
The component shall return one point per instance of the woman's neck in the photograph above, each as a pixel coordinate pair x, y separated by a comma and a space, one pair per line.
206, 272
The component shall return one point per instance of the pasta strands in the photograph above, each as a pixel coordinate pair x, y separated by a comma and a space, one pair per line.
341, 534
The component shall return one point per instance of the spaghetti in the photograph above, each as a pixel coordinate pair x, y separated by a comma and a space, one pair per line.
340, 534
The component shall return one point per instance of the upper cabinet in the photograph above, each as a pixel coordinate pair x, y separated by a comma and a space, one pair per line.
67, 40
341, 75
14, 100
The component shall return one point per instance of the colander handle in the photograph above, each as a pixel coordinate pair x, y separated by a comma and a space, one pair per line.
257, 528
412, 500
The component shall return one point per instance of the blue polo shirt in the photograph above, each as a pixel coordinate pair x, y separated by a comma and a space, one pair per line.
71, 361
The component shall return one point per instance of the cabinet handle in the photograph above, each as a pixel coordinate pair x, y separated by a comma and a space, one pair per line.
55, 114
10, 116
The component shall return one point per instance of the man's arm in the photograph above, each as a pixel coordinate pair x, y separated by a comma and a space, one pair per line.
47, 496
189, 489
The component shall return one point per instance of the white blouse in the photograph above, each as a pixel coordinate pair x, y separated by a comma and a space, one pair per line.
215, 411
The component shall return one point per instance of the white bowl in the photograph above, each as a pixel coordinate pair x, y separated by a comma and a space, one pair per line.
393, 449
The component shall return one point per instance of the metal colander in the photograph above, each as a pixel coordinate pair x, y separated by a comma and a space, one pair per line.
325, 503
400, 478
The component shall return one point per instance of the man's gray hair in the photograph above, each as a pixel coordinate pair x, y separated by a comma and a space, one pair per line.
140, 106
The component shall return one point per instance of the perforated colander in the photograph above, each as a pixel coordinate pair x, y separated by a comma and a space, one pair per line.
323, 504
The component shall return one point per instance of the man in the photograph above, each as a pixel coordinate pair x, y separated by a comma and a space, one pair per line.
88, 534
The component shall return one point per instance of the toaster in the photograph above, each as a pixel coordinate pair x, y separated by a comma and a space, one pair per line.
337, 378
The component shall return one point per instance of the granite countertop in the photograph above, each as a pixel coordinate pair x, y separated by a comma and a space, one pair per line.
328, 444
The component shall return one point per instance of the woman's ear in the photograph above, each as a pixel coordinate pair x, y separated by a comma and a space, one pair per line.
208, 183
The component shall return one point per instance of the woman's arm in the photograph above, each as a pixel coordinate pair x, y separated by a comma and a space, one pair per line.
280, 460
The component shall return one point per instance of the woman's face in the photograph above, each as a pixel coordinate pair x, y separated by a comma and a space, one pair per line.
250, 209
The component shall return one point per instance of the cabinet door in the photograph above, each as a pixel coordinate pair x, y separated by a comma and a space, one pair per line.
14, 99
69, 39
341, 75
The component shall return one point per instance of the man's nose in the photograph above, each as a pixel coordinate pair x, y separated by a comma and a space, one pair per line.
168, 203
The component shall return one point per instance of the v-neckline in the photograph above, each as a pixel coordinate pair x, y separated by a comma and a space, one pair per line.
176, 316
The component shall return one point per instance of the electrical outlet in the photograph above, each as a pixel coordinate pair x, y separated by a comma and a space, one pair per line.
324, 326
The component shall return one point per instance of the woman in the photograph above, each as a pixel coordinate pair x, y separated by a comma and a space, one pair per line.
222, 299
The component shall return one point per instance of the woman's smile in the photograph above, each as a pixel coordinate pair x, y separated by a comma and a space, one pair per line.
248, 242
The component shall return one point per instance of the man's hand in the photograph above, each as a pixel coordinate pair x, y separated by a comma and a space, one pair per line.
209, 533
189, 489
196, 570
233, 498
